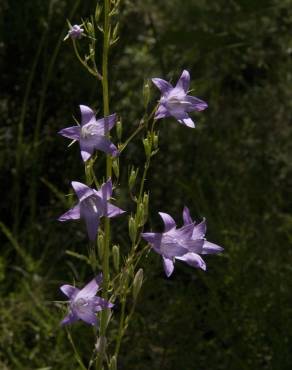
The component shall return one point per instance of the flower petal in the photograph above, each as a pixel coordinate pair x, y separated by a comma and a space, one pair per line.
193, 260
87, 114
161, 112
170, 247
184, 81
69, 319
153, 238
104, 125
105, 145
162, 85
197, 104
185, 232
91, 288
199, 230
72, 214
86, 148
211, 248
71, 132
113, 211
169, 222
87, 315
101, 304
187, 122
69, 290
187, 216
105, 191
168, 266
194, 246
92, 222
82, 191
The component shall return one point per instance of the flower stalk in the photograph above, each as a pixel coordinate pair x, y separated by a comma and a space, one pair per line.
105, 94
121, 278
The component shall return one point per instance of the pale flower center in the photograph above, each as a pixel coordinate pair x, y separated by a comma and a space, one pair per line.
178, 101
80, 304
87, 131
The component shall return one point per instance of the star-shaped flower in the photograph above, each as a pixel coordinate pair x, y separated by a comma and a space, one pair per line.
92, 133
175, 243
75, 32
184, 244
176, 102
84, 304
92, 205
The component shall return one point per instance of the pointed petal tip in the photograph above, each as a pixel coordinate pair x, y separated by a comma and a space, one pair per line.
184, 81
161, 84
85, 155
168, 266
168, 221
187, 216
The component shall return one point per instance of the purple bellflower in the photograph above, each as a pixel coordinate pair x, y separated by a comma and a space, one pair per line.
91, 134
176, 243
75, 32
84, 304
92, 205
176, 102
184, 244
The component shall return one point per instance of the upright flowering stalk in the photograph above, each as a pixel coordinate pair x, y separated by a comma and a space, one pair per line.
122, 277
107, 230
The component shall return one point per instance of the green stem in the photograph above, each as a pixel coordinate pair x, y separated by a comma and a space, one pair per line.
94, 71
146, 167
105, 92
139, 128
121, 327
77, 356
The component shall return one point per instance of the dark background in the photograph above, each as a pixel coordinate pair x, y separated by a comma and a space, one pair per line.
234, 169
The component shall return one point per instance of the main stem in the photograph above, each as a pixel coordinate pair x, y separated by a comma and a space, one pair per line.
105, 92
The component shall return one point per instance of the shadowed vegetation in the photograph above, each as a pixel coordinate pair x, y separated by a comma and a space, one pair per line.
234, 169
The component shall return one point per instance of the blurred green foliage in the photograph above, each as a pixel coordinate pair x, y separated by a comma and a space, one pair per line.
234, 169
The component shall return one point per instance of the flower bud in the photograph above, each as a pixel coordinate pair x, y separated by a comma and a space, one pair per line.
90, 29
137, 284
113, 363
146, 206
97, 12
116, 167
119, 129
116, 257
132, 229
100, 345
140, 215
132, 178
155, 140
100, 246
147, 146
115, 31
